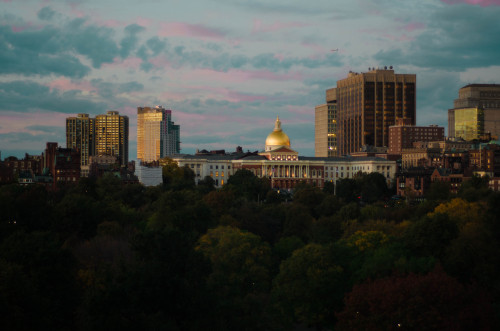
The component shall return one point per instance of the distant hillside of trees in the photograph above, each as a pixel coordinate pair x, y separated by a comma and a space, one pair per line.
103, 255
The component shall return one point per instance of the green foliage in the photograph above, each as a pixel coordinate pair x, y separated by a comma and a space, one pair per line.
298, 222
347, 190
430, 235
206, 185
438, 191
350, 211
245, 184
309, 196
309, 286
45, 274
240, 277
104, 255
175, 177
284, 248
475, 188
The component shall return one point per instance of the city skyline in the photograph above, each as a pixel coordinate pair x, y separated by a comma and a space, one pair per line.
227, 69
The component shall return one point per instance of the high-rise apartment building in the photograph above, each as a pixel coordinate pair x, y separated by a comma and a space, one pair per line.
368, 104
170, 136
80, 132
477, 105
325, 133
112, 136
157, 135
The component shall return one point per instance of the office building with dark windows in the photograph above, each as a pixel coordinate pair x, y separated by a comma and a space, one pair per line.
368, 104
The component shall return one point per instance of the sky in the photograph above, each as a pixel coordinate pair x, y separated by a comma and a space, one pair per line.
227, 68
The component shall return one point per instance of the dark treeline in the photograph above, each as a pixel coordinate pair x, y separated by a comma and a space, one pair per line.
102, 255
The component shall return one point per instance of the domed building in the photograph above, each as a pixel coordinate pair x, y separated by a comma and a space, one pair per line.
277, 138
282, 165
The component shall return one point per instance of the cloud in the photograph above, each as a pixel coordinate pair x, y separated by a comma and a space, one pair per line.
27, 96
182, 29
46, 13
259, 27
35, 53
482, 3
46, 128
129, 42
110, 90
456, 38
57, 48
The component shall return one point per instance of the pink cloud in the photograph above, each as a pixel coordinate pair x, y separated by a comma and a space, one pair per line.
258, 26
17, 122
146, 22
111, 23
317, 48
410, 27
128, 63
160, 62
76, 11
180, 29
482, 3
65, 84
238, 76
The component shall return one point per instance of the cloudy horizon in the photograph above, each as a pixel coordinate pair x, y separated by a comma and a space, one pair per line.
227, 68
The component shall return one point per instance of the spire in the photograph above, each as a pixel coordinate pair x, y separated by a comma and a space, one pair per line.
277, 126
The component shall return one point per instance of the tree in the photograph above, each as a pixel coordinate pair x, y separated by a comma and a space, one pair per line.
460, 211
206, 185
310, 286
439, 191
475, 188
309, 196
347, 189
45, 274
176, 177
240, 278
434, 301
430, 235
246, 184
372, 187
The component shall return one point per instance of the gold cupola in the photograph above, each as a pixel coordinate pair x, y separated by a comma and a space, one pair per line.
277, 138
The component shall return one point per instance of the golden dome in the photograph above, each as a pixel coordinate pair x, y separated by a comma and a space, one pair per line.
277, 137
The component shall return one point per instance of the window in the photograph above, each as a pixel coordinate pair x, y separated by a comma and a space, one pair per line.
216, 167
222, 174
229, 167
216, 174
211, 167
222, 167
222, 181
211, 174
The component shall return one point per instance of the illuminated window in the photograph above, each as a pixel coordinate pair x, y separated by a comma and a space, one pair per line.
222, 174
216, 174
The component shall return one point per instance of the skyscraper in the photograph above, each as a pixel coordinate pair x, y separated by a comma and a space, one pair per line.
475, 112
112, 136
368, 104
325, 140
157, 135
148, 133
170, 136
80, 136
